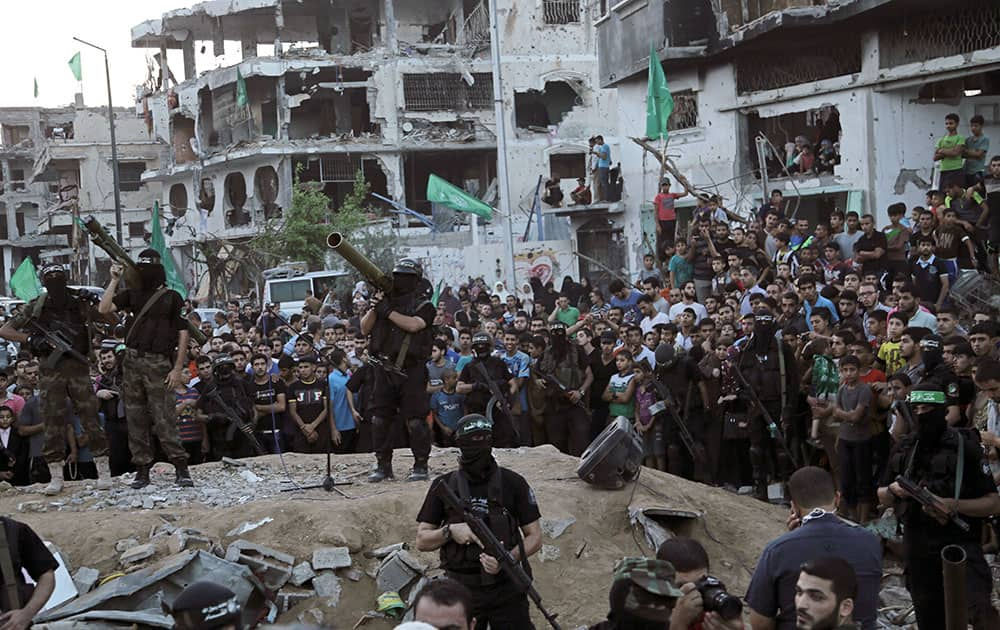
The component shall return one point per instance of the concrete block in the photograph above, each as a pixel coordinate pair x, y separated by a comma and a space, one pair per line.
272, 567
331, 558
327, 585
289, 597
125, 544
397, 572
556, 527
301, 574
85, 579
137, 554
247, 548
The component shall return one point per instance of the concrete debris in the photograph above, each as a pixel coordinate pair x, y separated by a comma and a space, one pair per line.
659, 524
398, 571
272, 567
383, 552
327, 585
184, 539
125, 544
554, 528
32, 506
549, 553
353, 575
248, 527
137, 554
290, 596
301, 573
331, 558
235, 463
312, 616
85, 579
249, 476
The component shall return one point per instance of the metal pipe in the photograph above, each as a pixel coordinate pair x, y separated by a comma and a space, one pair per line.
956, 611
503, 180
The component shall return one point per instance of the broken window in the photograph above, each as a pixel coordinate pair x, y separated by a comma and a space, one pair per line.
15, 134
183, 140
782, 64
447, 91
798, 143
235, 187
685, 114
338, 168
568, 166
689, 22
61, 131
17, 179
137, 229
472, 171
336, 173
178, 200
919, 36
561, 11
130, 175
266, 187
206, 195
539, 109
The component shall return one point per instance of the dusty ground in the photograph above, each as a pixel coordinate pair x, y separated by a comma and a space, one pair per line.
733, 529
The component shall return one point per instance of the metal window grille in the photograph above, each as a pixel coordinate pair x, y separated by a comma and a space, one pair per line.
476, 31
130, 175
339, 168
443, 91
685, 114
940, 33
561, 11
772, 69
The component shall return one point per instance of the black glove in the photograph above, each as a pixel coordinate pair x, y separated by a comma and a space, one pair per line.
382, 309
39, 345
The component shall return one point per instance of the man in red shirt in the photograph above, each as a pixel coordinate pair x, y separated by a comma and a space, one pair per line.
666, 218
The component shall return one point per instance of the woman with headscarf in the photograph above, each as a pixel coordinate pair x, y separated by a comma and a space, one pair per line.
571, 289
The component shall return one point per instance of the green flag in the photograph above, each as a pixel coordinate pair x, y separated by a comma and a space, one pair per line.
440, 191
241, 88
75, 67
659, 102
158, 243
24, 281
36, 87
437, 293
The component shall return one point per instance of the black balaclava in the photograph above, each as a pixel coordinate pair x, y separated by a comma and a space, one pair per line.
763, 331
932, 424
474, 438
151, 270
404, 283
931, 351
557, 335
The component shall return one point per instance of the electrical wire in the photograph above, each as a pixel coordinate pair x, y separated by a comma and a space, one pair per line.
274, 418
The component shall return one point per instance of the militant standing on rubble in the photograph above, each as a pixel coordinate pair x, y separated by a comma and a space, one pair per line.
948, 463
156, 341
64, 313
473, 383
505, 502
400, 328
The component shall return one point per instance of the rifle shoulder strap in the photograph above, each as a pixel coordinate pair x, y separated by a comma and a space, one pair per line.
960, 469
781, 371
145, 309
404, 348
12, 598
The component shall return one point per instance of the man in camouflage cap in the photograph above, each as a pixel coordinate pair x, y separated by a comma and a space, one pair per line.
642, 595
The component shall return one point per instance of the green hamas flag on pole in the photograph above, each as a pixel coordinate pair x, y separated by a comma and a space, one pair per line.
440, 191
158, 243
659, 102
241, 88
76, 67
24, 281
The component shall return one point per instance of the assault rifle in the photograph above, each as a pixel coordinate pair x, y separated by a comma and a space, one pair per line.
775, 429
236, 422
552, 380
492, 546
668, 404
495, 392
102, 239
61, 346
924, 497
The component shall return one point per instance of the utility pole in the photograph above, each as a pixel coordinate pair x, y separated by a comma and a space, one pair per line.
503, 181
114, 145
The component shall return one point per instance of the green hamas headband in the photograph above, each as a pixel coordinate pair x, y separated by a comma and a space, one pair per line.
927, 397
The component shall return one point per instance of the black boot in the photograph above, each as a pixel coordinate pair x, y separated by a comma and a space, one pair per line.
141, 477
419, 472
383, 471
183, 478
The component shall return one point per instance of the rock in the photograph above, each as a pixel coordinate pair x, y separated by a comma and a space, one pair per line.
272, 567
32, 506
894, 596
327, 585
557, 527
137, 554
189, 539
147, 503
290, 596
353, 575
235, 463
313, 616
549, 553
248, 476
125, 544
85, 579
331, 558
301, 573
6, 488
384, 552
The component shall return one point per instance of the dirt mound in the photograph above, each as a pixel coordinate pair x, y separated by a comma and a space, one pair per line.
572, 575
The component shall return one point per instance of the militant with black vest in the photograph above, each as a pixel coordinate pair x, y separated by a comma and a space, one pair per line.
493, 547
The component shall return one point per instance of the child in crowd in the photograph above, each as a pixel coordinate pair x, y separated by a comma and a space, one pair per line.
447, 407
854, 411
647, 423
193, 434
621, 388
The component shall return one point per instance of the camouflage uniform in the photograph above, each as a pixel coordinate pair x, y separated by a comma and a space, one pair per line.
66, 378
150, 406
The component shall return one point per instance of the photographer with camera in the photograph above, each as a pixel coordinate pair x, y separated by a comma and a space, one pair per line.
815, 530
705, 604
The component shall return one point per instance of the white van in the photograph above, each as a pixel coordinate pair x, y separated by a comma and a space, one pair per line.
290, 293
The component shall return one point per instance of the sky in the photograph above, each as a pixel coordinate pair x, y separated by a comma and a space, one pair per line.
38, 43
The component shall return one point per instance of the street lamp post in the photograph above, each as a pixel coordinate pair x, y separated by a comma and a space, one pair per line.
114, 145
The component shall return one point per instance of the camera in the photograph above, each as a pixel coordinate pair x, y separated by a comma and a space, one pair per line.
715, 598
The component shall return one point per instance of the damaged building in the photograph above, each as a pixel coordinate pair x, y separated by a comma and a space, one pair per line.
55, 166
395, 90
865, 82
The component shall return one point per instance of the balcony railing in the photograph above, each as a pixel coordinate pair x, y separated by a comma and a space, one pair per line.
561, 11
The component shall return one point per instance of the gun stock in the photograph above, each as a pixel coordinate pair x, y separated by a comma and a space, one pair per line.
492, 546
235, 421
102, 239
359, 261
924, 497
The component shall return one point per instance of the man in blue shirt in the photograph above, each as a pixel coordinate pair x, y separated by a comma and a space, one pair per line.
519, 365
811, 299
627, 299
816, 531
345, 416
603, 153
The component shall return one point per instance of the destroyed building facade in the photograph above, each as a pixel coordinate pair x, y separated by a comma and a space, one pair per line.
874, 77
397, 90
55, 165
